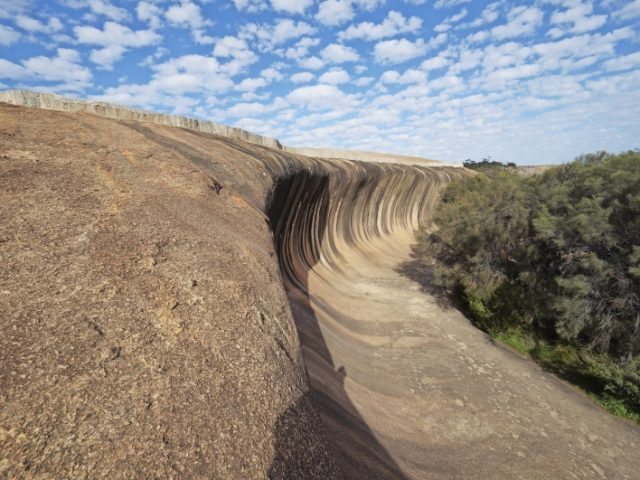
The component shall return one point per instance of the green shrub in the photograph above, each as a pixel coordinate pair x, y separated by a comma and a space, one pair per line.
552, 257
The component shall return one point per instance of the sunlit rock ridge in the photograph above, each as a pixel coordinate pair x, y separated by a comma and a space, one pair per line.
51, 101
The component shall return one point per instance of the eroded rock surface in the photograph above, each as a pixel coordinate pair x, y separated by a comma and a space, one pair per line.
146, 332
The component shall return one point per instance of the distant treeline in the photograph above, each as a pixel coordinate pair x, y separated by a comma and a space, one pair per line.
554, 259
486, 164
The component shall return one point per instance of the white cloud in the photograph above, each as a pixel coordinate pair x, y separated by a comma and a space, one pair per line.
521, 21
338, 53
35, 26
269, 36
449, 3
335, 76
186, 14
302, 77
115, 39
576, 19
625, 62
100, 7
12, 70
394, 24
398, 51
409, 76
489, 15
10, 9
335, 12
251, 84
150, 13
630, 11
312, 63
64, 67
251, 6
234, 47
107, 56
300, 49
291, 6
116, 34
363, 81
271, 74
8, 36
172, 81
447, 22
434, 63
319, 97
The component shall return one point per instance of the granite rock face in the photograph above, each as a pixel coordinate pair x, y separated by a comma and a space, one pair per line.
145, 327
182, 304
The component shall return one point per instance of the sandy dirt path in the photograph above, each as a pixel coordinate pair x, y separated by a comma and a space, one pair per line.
408, 388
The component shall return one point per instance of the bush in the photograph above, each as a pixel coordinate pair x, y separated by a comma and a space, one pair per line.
555, 255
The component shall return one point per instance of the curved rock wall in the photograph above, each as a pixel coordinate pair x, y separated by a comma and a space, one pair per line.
318, 211
145, 326
324, 218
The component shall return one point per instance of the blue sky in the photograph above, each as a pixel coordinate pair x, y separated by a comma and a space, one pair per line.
532, 82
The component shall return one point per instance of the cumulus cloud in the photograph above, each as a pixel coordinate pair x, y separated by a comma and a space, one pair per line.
394, 24
338, 53
187, 14
269, 36
398, 51
625, 62
302, 77
150, 13
65, 67
115, 39
8, 36
107, 56
234, 47
629, 11
12, 8
319, 97
300, 49
115, 34
335, 76
335, 12
578, 18
435, 63
409, 76
291, 6
521, 21
312, 63
100, 7
449, 3
35, 26
251, 6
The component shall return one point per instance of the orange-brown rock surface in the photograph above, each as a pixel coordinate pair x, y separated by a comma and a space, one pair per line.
177, 304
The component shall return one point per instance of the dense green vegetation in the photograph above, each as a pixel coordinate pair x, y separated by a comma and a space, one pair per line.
550, 264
